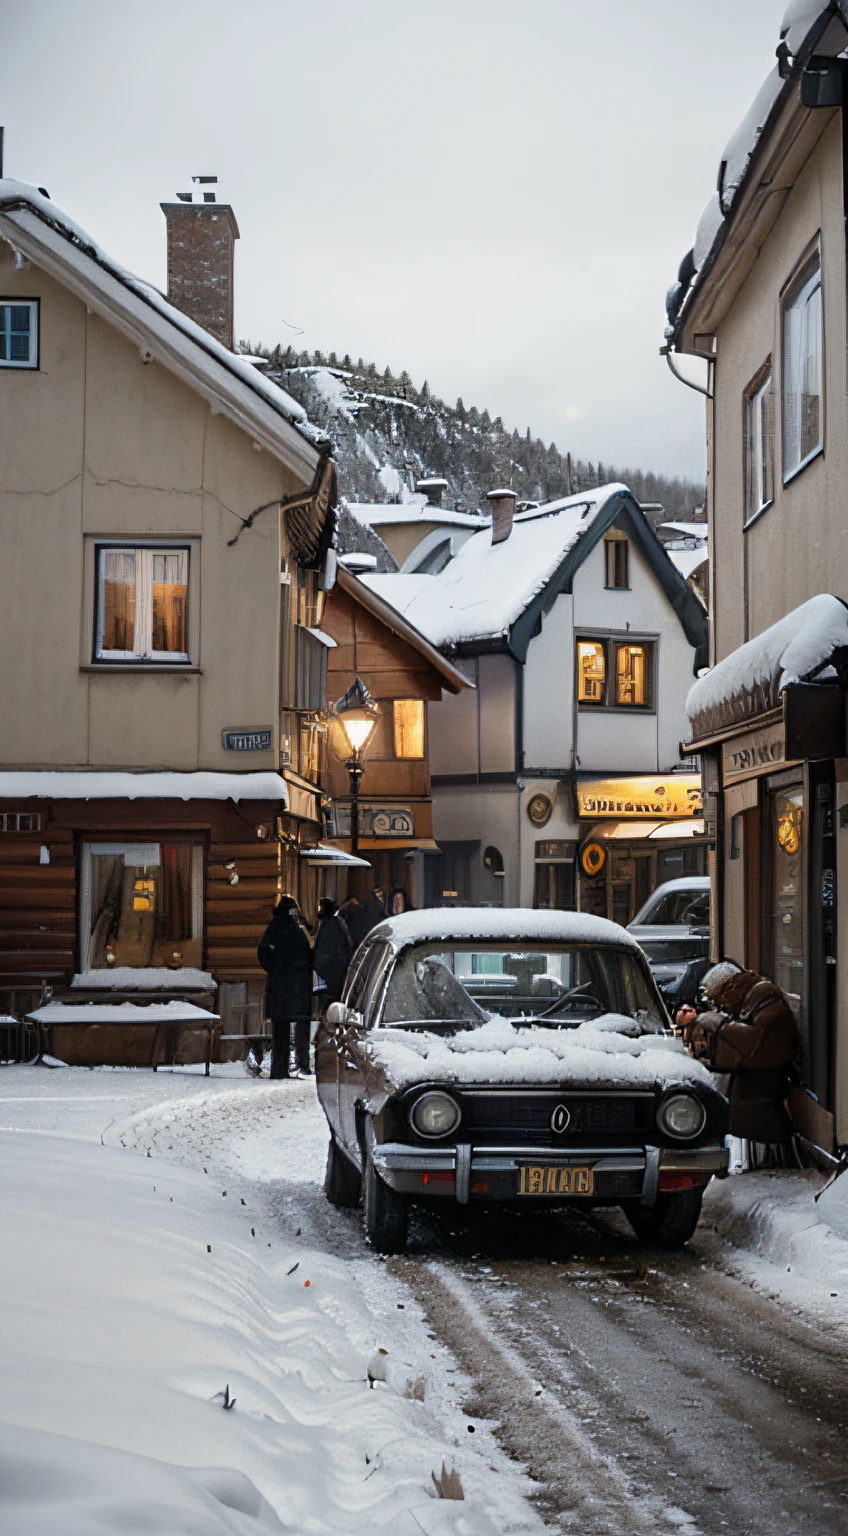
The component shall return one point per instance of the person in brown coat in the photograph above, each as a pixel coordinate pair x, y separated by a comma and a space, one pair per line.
749, 1030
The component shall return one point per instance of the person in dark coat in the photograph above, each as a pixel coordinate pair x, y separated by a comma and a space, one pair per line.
333, 949
355, 918
748, 1030
285, 954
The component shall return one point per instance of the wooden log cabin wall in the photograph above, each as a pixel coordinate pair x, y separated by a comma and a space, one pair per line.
243, 872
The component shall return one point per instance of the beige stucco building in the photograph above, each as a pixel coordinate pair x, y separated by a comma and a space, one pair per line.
762, 297
165, 514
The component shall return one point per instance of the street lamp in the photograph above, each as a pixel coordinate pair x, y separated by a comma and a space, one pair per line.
357, 714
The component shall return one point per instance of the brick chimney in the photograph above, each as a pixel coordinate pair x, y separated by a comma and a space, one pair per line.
433, 489
502, 504
201, 241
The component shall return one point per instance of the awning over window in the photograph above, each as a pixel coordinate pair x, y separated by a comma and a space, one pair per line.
802, 647
639, 831
322, 856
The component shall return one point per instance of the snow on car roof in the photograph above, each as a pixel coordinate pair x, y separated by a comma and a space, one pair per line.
491, 924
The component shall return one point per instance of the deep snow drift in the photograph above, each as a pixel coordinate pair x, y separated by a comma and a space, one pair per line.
136, 1291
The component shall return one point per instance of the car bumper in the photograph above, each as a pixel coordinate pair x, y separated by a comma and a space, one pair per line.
468, 1173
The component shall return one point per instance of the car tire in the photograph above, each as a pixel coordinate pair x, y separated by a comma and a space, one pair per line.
342, 1180
670, 1221
385, 1212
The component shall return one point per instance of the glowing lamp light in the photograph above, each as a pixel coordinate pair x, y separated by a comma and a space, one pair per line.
357, 713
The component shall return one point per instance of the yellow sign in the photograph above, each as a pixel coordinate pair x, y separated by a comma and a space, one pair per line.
677, 794
555, 1181
592, 859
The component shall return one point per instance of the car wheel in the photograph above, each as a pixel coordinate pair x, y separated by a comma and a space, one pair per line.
385, 1211
342, 1180
670, 1221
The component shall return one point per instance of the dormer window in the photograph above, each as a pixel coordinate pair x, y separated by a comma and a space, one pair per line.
18, 333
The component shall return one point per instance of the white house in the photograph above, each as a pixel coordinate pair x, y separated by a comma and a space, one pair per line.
558, 780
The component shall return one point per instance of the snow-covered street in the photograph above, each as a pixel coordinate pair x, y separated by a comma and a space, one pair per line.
166, 1239
160, 1247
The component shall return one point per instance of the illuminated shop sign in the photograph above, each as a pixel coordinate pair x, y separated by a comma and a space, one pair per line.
673, 795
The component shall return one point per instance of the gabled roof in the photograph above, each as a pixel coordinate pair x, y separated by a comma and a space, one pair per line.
492, 595
34, 226
416, 510
376, 605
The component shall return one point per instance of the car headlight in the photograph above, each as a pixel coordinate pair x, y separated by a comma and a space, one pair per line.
435, 1114
682, 1116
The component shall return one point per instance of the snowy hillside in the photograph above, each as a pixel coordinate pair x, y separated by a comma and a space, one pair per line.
388, 433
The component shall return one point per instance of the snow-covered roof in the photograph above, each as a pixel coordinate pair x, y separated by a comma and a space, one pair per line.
486, 587
418, 509
751, 679
690, 530
687, 560
60, 784
799, 18
35, 226
499, 924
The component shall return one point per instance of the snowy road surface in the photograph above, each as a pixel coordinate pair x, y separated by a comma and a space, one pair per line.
643, 1392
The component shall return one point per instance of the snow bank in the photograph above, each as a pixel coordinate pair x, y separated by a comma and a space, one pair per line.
501, 924
69, 785
788, 652
486, 587
146, 978
134, 1293
795, 1246
499, 1052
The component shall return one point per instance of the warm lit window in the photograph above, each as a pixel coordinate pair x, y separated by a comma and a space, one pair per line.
759, 445
142, 605
802, 368
409, 727
142, 905
627, 665
615, 563
632, 680
591, 671
18, 333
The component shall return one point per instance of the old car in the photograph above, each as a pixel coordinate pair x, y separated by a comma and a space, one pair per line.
486, 1056
673, 930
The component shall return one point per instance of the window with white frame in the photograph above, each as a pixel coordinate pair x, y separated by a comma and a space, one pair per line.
759, 443
18, 333
802, 368
142, 604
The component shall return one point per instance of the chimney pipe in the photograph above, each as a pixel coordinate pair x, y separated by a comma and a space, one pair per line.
201, 245
502, 504
433, 490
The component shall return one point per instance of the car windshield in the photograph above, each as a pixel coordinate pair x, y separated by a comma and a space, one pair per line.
686, 906
460, 988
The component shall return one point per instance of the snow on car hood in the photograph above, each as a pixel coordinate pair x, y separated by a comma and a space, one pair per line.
603, 1050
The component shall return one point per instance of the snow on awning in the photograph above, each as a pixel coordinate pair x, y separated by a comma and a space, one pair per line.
322, 856
122, 1013
63, 785
750, 681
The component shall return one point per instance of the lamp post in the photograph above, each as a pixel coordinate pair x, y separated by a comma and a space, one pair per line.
357, 714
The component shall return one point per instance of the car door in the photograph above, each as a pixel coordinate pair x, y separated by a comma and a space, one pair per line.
364, 998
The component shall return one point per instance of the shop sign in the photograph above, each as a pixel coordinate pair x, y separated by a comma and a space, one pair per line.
758, 752
247, 741
391, 821
668, 796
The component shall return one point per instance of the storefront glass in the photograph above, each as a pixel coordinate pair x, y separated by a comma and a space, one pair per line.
788, 909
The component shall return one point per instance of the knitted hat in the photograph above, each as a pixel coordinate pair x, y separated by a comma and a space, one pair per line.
715, 978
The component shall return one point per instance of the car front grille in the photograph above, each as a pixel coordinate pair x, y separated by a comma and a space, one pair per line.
511, 1116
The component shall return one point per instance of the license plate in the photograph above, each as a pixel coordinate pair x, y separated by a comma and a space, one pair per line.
535, 1179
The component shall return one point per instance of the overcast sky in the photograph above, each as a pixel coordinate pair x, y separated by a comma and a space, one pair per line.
492, 194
